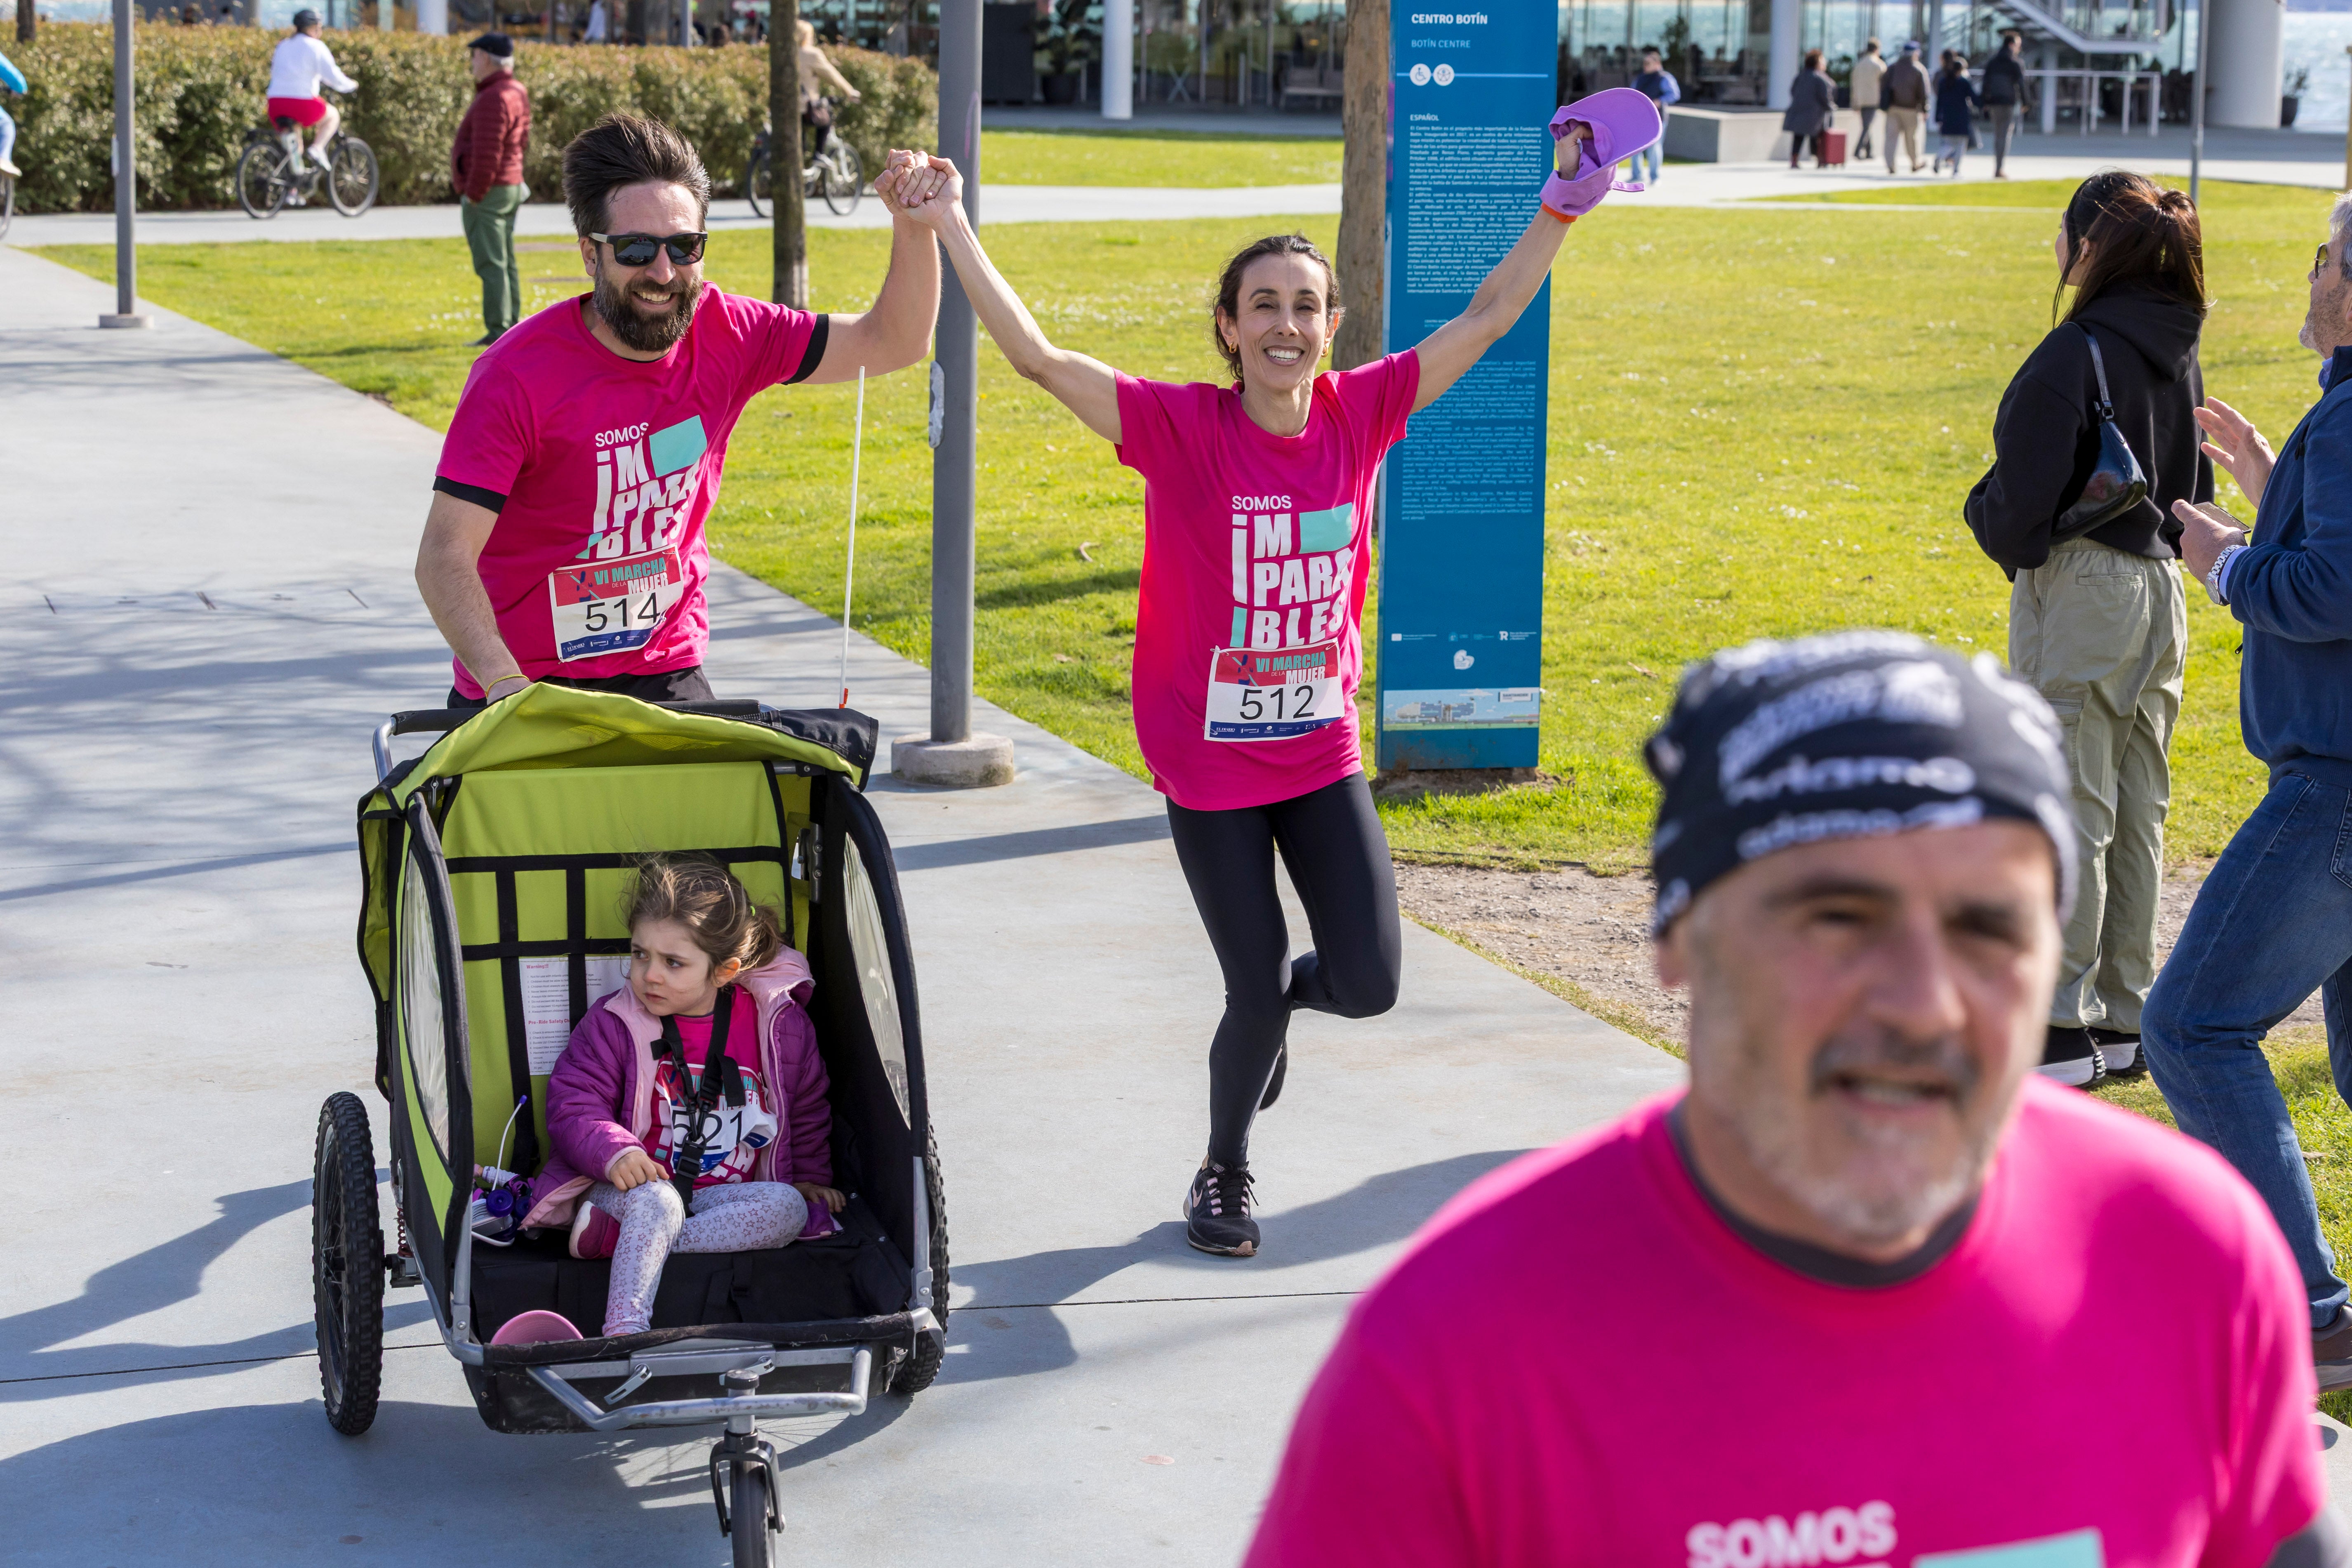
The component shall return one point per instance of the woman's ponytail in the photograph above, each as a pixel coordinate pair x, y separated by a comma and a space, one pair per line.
2137, 232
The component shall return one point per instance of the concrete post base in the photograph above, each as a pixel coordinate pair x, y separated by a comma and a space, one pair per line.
980, 762
111, 320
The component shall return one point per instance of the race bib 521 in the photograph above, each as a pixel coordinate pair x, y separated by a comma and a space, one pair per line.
1271, 694
613, 607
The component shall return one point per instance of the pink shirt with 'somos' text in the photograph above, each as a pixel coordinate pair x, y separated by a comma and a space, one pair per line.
1579, 1364
602, 470
1248, 625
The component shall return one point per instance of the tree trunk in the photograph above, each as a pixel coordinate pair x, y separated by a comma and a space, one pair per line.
1363, 183
784, 165
27, 20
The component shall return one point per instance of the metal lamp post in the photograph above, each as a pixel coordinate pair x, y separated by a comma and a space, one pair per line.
2197, 101
953, 754
126, 185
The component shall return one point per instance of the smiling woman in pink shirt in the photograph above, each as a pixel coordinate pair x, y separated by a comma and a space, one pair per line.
1248, 646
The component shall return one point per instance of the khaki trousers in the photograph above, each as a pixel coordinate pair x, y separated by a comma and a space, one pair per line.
2104, 636
1903, 124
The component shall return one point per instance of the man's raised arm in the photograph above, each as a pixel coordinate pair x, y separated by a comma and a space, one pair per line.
897, 332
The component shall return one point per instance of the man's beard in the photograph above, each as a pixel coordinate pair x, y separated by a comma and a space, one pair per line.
1893, 1191
648, 334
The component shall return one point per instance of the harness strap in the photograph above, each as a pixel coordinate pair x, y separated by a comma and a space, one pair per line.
721, 1075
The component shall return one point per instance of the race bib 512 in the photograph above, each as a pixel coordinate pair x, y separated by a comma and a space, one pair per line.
1271, 694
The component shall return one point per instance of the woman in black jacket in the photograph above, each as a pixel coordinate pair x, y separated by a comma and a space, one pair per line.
2097, 622
1812, 106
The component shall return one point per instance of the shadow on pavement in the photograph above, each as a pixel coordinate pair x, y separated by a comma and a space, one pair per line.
1379, 1210
427, 1484
148, 1281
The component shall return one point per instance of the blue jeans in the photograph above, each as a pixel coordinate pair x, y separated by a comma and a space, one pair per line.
2273, 923
1658, 161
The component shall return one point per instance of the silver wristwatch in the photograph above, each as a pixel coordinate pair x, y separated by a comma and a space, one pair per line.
2214, 578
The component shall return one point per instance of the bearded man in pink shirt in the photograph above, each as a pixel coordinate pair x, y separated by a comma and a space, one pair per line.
1871, 1291
565, 541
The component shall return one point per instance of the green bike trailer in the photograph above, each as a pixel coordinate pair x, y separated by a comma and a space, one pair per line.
494, 869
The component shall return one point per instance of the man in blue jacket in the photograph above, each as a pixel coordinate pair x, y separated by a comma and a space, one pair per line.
1657, 84
2273, 921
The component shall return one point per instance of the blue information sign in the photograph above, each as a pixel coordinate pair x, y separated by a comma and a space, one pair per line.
1462, 499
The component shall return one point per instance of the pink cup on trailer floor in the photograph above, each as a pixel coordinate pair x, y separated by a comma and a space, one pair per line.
535, 1327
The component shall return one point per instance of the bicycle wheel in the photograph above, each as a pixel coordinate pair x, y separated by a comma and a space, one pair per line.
755, 184
843, 181
351, 175
261, 182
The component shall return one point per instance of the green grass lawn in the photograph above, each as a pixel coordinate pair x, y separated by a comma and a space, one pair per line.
1155, 157
1761, 423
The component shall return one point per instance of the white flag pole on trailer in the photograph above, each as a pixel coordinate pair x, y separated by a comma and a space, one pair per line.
849, 572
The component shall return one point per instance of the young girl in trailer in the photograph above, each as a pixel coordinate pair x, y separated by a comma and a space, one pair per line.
639, 1079
1248, 640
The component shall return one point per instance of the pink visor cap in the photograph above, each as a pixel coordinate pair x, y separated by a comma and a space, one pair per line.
1623, 121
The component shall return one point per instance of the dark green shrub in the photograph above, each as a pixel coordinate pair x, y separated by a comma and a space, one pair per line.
200, 91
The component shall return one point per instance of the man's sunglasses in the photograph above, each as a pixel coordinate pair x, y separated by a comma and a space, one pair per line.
2319, 262
638, 249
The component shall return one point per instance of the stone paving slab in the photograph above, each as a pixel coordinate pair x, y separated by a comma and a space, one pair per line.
193, 651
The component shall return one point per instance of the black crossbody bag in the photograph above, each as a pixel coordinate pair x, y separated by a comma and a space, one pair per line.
2117, 484
720, 1076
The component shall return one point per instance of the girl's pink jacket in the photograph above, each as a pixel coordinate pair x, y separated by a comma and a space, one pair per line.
600, 1096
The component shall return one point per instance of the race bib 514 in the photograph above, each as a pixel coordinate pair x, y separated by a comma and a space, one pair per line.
613, 607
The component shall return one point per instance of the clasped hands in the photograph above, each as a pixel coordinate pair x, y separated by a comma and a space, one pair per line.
921, 186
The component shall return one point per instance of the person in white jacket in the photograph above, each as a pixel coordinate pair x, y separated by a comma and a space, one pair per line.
297, 67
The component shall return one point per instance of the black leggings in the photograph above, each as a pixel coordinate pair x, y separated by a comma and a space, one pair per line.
1337, 858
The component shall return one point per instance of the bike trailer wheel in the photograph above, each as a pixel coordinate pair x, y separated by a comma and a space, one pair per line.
347, 1264
351, 175
261, 183
752, 1516
914, 1375
842, 180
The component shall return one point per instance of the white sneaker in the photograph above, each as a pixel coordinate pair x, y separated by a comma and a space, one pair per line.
10, 169
321, 159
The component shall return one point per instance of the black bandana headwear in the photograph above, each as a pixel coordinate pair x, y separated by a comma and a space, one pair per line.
1846, 735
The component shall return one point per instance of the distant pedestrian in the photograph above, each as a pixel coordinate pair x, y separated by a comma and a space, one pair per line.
486, 166
1862, 91
2273, 921
1956, 98
2096, 619
2005, 97
1813, 107
598, 22
1904, 93
1657, 84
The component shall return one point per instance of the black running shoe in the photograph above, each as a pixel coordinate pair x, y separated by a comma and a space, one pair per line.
2072, 1057
1216, 1210
2331, 1352
2120, 1052
1281, 1070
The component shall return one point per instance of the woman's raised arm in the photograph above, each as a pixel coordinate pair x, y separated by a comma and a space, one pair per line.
929, 190
1447, 354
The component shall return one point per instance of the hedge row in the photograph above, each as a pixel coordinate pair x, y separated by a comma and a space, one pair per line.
200, 90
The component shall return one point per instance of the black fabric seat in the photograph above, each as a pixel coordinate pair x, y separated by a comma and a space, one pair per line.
856, 1273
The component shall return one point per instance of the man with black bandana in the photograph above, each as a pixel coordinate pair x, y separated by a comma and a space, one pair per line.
565, 538
1899, 1281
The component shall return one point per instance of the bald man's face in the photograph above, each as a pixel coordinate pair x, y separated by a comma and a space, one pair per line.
1864, 1014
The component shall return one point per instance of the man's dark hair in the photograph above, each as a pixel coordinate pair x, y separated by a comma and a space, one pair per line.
628, 150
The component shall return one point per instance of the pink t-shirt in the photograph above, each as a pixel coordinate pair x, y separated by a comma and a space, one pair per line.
602, 470
1252, 544
732, 1135
1579, 1362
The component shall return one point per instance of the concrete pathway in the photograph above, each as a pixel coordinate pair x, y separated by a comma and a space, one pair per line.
195, 644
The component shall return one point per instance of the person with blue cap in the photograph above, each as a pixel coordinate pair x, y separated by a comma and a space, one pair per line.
1899, 1270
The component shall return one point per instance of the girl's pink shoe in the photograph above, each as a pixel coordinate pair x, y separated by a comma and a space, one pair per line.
535, 1327
594, 1232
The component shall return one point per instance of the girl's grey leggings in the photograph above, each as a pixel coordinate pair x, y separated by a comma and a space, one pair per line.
738, 1216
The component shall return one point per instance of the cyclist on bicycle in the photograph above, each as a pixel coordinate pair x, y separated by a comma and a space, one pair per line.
11, 80
816, 113
297, 67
